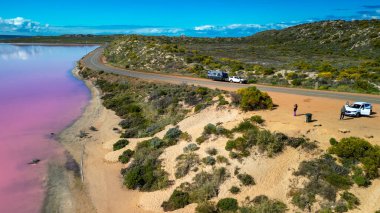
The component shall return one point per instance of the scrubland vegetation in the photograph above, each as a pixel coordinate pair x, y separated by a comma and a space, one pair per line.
329, 55
328, 178
349, 161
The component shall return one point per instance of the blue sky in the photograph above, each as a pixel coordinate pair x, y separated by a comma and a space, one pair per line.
173, 17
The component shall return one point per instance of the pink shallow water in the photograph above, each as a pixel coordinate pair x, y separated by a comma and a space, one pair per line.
38, 95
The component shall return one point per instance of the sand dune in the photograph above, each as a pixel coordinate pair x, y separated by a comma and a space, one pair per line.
273, 175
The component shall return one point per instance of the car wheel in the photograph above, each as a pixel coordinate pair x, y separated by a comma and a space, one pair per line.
358, 114
370, 112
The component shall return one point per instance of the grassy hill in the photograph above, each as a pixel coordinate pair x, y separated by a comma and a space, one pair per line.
334, 55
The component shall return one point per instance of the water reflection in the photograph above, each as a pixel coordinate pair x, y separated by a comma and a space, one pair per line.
8, 52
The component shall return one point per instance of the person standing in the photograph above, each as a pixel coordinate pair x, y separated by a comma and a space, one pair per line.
295, 109
342, 112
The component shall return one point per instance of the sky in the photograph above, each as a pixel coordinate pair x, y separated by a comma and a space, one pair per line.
173, 17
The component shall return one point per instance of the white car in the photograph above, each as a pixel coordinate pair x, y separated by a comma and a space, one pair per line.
236, 79
358, 108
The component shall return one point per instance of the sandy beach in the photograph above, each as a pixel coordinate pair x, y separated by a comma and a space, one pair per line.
102, 188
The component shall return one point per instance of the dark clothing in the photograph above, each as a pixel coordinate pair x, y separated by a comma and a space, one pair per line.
342, 112
341, 116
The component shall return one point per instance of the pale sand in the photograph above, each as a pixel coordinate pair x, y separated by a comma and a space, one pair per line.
273, 176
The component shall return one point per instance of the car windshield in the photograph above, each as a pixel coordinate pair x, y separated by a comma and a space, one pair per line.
356, 106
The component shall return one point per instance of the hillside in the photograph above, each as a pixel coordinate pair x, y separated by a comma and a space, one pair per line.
333, 55
355, 38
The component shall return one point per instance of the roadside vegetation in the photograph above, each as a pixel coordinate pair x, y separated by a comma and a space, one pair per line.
147, 107
329, 55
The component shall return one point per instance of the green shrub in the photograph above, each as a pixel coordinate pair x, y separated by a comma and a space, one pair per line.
351, 199
341, 207
209, 129
201, 139
191, 148
185, 163
145, 171
177, 200
359, 150
222, 159
333, 142
253, 99
239, 144
295, 142
234, 155
206, 207
228, 204
120, 144
172, 135
222, 101
262, 203
246, 179
244, 126
211, 151
235, 190
209, 160
303, 200
257, 119
205, 185
126, 156
130, 133
359, 177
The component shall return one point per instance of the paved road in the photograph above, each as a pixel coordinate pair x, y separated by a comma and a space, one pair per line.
93, 61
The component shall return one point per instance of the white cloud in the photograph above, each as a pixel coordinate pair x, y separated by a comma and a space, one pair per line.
204, 27
241, 27
20, 25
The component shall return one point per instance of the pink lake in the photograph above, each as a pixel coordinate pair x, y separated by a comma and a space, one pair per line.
38, 96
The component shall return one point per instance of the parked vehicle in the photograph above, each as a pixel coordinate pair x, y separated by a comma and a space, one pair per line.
358, 109
237, 79
217, 75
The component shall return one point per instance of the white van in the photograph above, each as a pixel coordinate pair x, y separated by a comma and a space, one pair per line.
358, 108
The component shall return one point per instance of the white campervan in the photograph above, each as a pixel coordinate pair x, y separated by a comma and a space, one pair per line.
358, 108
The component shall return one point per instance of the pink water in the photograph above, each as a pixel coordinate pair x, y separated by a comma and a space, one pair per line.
38, 96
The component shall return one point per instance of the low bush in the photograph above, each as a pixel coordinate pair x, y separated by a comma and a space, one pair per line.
234, 190
351, 199
201, 139
120, 144
211, 151
326, 178
246, 179
222, 159
191, 148
145, 171
185, 163
295, 142
262, 203
126, 156
359, 150
209, 160
177, 200
257, 119
206, 207
228, 204
205, 185
244, 126
333, 142
172, 135
253, 99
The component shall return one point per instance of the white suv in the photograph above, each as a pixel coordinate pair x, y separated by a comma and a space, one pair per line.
358, 108
236, 79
